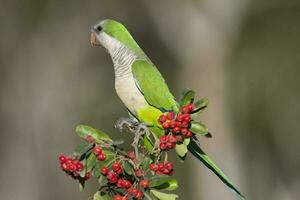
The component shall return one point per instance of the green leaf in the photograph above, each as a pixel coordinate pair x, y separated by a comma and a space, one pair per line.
164, 183
181, 150
82, 148
101, 196
198, 128
164, 196
186, 141
90, 162
199, 108
145, 164
84, 131
96, 171
195, 149
187, 97
128, 168
148, 143
200, 105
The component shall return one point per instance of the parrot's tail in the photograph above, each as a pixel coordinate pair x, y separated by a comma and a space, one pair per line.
194, 148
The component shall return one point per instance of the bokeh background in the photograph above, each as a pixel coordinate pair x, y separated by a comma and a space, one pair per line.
243, 55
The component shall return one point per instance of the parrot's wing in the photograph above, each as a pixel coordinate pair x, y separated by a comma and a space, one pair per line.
194, 148
153, 86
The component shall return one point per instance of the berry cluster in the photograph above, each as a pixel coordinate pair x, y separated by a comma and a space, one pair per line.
162, 168
116, 177
98, 152
176, 127
136, 193
169, 141
72, 167
113, 175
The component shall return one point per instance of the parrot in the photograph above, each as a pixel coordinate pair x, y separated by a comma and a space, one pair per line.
141, 87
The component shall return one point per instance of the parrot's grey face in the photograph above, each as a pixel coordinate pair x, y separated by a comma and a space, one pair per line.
101, 38
96, 31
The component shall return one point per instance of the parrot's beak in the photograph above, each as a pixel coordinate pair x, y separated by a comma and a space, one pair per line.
94, 40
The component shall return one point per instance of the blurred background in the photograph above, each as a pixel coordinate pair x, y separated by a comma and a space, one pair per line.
243, 55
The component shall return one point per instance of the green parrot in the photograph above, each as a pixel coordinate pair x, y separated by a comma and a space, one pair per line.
141, 87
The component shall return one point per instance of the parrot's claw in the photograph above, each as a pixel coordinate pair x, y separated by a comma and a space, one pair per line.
139, 131
127, 124
142, 129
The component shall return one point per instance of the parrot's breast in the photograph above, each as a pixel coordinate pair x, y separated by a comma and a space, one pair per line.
130, 94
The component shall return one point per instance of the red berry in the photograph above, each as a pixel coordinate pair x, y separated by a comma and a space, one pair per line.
69, 160
162, 146
153, 167
101, 157
71, 167
166, 171
131, 154
160, 166
104, 170
172, 172
172, 124
75, 162
179, 117
170, 145
120, 183
139, 195
119, 171
112, 177
158, 173
62, 158
97, 150
144, 183
116, 166
129, 190
64, 166
139, 173
191, 107
166, 125
127, 184
163, 139
184, 131
169, 165
118, 197
172, 138
189, 134
176, 130
79, 166
187, 118
163, 118
134, 191
185, 124
178, 124
87, 176
185, 109
170, 115
179, 138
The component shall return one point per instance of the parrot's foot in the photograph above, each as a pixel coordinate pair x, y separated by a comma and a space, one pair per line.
139, 131
142, 129
127, 124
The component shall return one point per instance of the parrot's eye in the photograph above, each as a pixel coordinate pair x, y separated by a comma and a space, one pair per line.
99, 28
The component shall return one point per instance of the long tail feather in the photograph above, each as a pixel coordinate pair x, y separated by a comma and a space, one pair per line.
194, 148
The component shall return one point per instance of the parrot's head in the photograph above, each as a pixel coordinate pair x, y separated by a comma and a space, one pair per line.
112, 35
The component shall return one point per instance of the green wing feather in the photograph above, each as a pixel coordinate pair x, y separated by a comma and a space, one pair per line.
153, 86
195, 149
